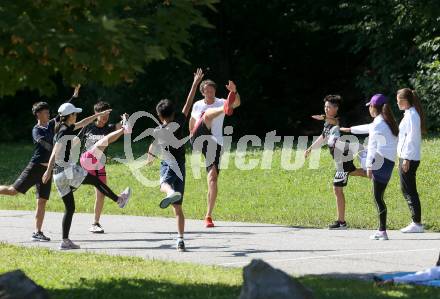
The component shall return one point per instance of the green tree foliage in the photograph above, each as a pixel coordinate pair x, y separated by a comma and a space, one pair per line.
401, 42
284, 55
84, 40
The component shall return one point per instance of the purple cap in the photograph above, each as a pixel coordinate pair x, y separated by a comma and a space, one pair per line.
377, 100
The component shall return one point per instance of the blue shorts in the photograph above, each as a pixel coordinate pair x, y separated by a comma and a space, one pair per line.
383, 174
168, 176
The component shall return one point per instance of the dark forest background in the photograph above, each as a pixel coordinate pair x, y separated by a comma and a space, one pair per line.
285, 56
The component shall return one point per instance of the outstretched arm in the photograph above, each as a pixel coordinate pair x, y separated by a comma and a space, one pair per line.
318, 142
198, 76
88, 120
74, 96
75, 93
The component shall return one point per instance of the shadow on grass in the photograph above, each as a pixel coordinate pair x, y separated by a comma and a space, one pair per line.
143, 288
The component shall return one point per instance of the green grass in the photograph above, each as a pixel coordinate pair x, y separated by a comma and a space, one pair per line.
302, 197
85, 275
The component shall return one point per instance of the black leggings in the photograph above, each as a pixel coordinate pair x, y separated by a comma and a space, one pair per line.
69, 201
409, 189
378, 191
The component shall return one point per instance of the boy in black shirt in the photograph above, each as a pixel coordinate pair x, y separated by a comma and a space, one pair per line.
42, 135
330, 135
170, 143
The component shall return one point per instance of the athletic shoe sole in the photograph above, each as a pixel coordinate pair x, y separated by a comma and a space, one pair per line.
68, 248
96, 232
167, 201
39, 240
338, 228
412, 232
379, 239
64, 249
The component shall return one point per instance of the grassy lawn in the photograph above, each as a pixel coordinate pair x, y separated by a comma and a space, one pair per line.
84, 275
301, 197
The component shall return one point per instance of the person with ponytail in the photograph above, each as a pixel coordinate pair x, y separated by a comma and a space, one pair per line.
409, 147
381, 154
42, 135
68, 175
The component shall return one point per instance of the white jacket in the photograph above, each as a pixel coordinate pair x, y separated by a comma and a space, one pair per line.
380, 140
410, 136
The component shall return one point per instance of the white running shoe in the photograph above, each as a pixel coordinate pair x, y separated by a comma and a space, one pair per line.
379, 235
67, 244
173, 198
413, 228
96, 228
124, 197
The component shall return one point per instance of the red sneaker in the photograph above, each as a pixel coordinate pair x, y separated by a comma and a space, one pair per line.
208, 222
229, 103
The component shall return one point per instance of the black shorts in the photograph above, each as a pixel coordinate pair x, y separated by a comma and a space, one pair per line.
343, 170
211, 150
32, 176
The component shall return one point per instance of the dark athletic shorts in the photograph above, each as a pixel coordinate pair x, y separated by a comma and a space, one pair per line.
32, 176
341, 175
212, 154
169, 176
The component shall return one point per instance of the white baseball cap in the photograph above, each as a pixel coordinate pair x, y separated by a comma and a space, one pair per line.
67, 108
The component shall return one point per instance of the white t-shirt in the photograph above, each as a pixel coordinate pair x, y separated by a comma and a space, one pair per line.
217, 124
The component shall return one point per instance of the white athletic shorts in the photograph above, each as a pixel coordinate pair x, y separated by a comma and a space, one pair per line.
71, 177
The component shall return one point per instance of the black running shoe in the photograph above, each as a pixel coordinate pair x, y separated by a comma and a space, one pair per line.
181, 246
338, 225
40, 237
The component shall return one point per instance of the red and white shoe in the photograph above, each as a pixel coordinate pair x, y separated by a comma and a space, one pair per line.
208, 222
229, 103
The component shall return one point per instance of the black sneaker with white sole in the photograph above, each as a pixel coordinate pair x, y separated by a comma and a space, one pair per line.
40, 237
180, 246
338, 225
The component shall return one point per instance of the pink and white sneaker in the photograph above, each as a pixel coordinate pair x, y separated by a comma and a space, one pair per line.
379, 235
124, 197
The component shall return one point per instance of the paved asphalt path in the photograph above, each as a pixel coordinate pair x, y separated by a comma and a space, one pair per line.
295, 250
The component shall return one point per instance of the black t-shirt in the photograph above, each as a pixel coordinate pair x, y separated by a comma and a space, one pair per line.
331, 134
92, 134
43, 140
170, 140
65, 136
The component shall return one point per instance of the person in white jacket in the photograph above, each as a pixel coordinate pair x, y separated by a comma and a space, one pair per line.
408, 150
381, 154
